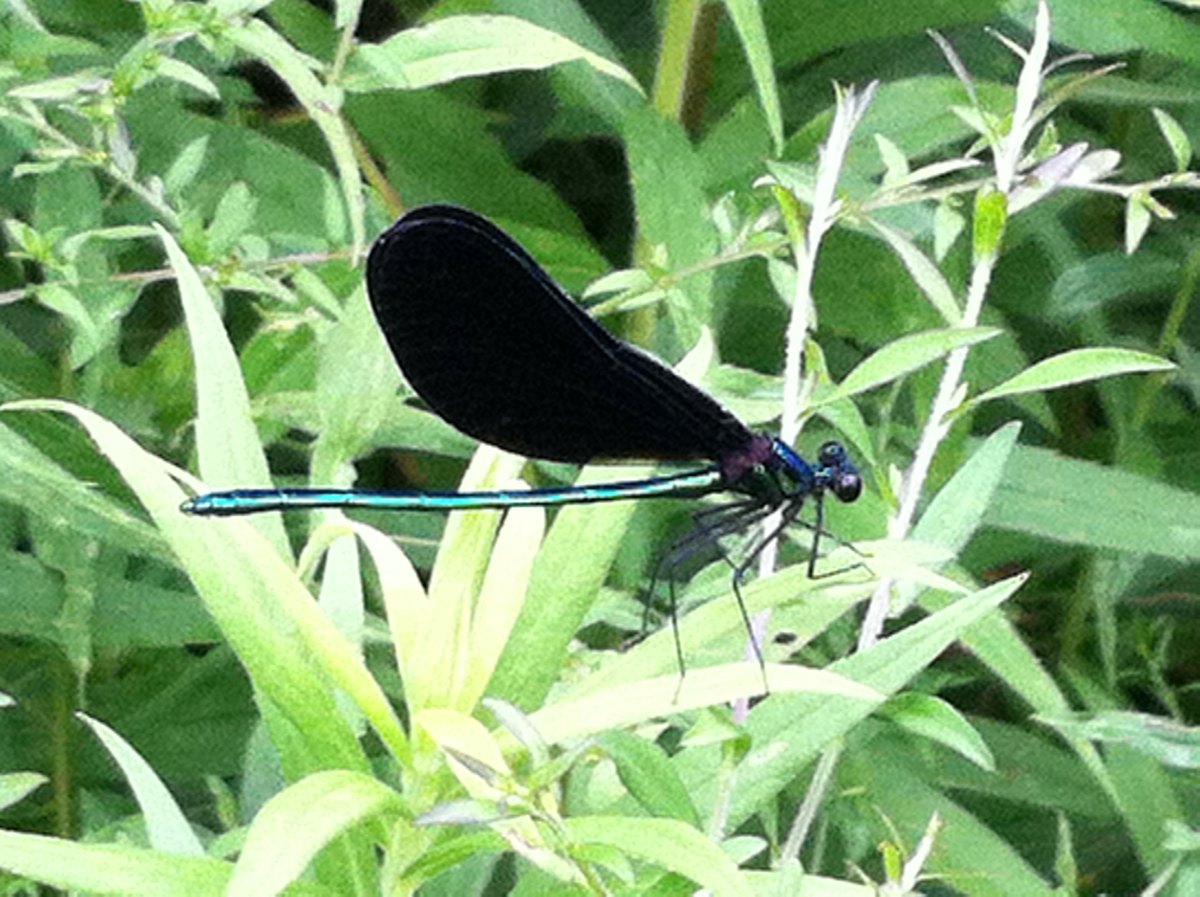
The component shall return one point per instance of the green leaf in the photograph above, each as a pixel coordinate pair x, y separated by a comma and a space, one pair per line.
86, 338
356, 380
1165, 740
932, 718
451, 852
775, 759
166, 826
948, 225
715, 632
234, 215
501, 597
1110, 276
991, 218
16, 786
296, 824
1137, 220
440, 659
746, 16
907, 354
1176, 137
638, 701
189, 75
290, 649
1075, 366
924, 273
644, 769
111, 868
226, 439
572, 565
895, 163
464, 47
675, 231
1083, 503
958, 509
36, 482
667, 843
320, 101
59, 89
969, 855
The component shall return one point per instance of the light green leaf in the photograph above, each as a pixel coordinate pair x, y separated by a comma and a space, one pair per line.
715, 632
1065, 866
909, 562
233, 217
347, 12
957, 511
674, 227
230, 8
290, 649
575, 559
895, 163
186, 74
748, 22
1176, 137
908, 354
467, 46
1083, 503
322, 103
645, 771
637, 701
1075, 366
500, 598
356, 378
924, 272
85, 335
441, 659
781, 749
1137, 220
166, 826
991, 219
70, 247
294, 826
932, 718
1167, 741
111, 868
16, 786
948, 225
667, 843
226, 439
59, 89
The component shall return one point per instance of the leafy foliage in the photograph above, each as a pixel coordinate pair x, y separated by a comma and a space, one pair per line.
948, 265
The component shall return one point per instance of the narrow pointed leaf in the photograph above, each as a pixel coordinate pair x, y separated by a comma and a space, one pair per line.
1076, 366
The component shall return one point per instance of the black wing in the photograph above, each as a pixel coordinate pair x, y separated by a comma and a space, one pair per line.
500, 351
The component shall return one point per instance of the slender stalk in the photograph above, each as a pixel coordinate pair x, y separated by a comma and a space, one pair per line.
675, 58
807, 814
154, 275
102, 159
945, 400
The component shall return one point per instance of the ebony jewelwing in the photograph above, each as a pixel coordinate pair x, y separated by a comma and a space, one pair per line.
496, 348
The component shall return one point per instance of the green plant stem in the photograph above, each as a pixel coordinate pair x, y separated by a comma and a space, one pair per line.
143, 278
1169, 339
344, 48
675, 57
101, 159
813, 797
935, 431
61, 701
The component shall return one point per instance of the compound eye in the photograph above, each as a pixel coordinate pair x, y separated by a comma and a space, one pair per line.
832, 454
848, 487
